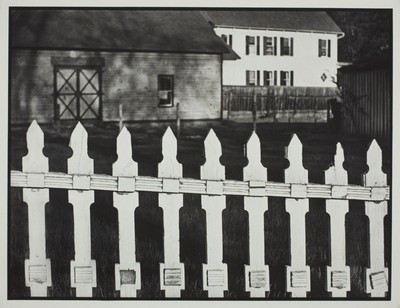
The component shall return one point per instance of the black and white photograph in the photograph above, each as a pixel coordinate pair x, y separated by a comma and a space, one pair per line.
201, 153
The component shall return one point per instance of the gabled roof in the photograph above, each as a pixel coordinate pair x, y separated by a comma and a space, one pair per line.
318, 21
130, 30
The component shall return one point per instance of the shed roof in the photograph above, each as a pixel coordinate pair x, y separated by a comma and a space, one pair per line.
296, 20
130, 30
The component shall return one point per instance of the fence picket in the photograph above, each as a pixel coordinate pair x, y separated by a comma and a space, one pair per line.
215, 272
338, 274
377, 273
172, 271
127, 271
80, 166
256, 273
298, 273
37, 267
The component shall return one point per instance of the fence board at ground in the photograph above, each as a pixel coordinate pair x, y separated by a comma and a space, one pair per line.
212, 185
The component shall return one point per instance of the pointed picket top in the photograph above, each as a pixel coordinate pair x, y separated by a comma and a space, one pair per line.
336, 174
35, 161
79, 162
374, 176
294, 153
124, 165
254, 169
212, 168
169, 167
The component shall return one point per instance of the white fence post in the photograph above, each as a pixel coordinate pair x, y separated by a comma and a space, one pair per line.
298, 273
377, 273
338, 274
80, 166
127, 271
37, 268
215, 272
172, 271
256, 273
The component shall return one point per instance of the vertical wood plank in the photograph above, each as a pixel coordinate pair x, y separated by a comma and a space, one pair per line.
377, 273
256, 273
37, 267
215, 273
298, 273
172, 272
338, 274
127, 271
83, 268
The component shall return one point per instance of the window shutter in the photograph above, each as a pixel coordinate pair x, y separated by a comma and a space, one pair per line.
258, 45
275, 78
291, 78
247, 77
265, 78
329, 48
281, 46
265, 45
275, 46
230, 40
258, 78
247, 44
291, 46
319, 48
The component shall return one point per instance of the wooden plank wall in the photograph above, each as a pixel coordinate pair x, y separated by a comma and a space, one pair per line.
130, 78
368, 102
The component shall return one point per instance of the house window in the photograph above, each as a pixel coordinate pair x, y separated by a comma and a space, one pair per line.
227, 39
251, 78
77, 92
269, 78
270, 46
286, 46
287, 78
165, 90
324, 48
250, 45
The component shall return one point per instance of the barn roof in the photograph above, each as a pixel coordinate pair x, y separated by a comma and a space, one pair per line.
296, 20
130, 30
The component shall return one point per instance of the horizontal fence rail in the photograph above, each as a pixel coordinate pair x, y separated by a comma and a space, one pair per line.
195, 186
125, 183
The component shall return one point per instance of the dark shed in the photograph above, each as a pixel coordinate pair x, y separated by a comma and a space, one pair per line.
81, 64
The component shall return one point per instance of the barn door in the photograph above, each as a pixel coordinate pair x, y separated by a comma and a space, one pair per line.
77, 93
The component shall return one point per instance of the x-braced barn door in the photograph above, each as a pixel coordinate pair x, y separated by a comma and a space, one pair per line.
77, 93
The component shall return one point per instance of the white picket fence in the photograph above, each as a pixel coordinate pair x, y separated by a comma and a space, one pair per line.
81, 182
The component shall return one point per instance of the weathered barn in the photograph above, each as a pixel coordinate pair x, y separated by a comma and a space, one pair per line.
82, 64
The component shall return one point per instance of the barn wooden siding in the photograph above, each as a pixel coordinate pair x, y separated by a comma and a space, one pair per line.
130, 78
368, 104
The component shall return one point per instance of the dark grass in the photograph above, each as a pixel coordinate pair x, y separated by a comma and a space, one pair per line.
319, 147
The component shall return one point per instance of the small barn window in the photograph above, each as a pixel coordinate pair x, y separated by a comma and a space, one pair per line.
165, 90
324, 48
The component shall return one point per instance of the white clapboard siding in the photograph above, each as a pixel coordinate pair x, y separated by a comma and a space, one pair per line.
338, 274
298, 273
172, 271
127, 271
215, 272
256, 273
377, 273
37, 267
80, 166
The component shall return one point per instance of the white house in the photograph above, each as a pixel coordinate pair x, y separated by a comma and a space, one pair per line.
283, 48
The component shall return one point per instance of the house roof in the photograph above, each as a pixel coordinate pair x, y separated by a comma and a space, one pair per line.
130, 30
318, 21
